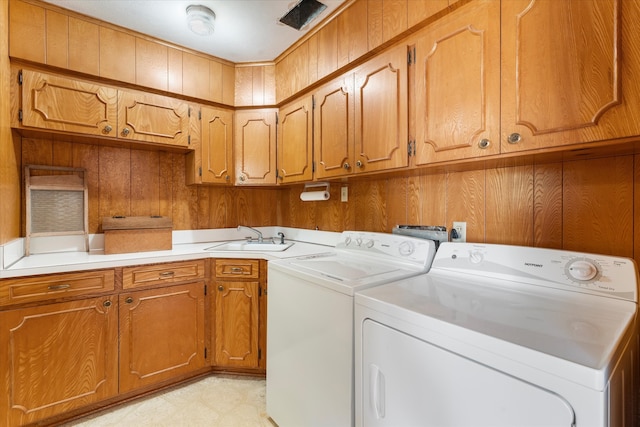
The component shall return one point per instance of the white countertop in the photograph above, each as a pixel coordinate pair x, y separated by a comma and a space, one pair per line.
187, 245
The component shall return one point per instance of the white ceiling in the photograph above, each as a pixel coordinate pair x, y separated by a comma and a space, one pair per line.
245, 30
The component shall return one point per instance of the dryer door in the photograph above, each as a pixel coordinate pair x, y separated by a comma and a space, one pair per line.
409, 382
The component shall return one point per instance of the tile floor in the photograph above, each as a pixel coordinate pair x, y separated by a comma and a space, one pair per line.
216, 401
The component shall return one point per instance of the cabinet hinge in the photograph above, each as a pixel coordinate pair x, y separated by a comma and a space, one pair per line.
313, 102
277, 118
20, 115
205, 352
199, 170
205, 290
313, 166
259, 353
20, 77
411, 148
199, 114
189, 139
259, 291
189, 111
411, 55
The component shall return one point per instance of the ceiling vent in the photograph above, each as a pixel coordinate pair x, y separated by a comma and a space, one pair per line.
303, 13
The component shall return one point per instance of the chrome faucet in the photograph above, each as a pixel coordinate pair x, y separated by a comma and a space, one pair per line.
240, 227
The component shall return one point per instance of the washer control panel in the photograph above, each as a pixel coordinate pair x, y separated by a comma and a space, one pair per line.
392, 247
616, 277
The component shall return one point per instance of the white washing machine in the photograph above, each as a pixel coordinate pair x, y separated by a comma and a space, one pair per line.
499, 335
310, 323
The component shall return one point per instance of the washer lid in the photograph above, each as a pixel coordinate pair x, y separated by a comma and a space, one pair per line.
570, 335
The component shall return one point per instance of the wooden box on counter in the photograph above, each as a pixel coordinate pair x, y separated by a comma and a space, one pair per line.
136, 234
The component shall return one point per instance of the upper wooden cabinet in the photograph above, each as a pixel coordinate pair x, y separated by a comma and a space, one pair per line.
457, 85
254, 147
577, 83
63, 104
381, 106
333, 128
295, 141
211, 162
153, 118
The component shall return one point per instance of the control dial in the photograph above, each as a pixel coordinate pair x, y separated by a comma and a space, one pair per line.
405, 248
582, 270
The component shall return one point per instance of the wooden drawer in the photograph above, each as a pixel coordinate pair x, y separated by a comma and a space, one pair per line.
39, 288
238, 268
135, 277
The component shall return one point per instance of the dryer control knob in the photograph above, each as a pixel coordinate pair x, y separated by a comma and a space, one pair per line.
405, 248
347, 241
582, 270
370, 243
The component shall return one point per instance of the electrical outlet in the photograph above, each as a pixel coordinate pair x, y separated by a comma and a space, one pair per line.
461, 229
344, 194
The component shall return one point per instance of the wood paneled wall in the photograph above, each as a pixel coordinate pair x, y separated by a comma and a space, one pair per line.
585, 205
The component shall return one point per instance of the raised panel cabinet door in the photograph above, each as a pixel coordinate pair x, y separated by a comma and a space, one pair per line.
457, 80
295, 141
153, 118
333, 128
575, 84
235, 311
56, 358
254, 147
217, 145
381, 121
161, 334
68, 105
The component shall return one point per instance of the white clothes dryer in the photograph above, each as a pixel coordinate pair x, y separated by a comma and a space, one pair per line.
497, 335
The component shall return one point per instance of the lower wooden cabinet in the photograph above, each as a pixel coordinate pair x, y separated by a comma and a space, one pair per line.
161, 334
57, 357
239, 327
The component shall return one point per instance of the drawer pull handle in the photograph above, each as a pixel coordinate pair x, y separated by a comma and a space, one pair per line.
129, 300
107, 303
59, 287
237, 269
167, 274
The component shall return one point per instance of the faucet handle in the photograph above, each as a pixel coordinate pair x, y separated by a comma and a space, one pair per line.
281, 235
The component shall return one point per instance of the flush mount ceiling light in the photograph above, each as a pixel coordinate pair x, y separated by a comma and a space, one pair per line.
303, 13
200, 19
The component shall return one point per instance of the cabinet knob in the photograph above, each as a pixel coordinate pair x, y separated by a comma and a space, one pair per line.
346, 166
221, 288
107, 129
129, 300
359, 163
125, 131
484, 143
242, 178
227, 177
107, 303
514, 138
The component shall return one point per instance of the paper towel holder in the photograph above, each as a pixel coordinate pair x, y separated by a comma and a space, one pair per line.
320, 191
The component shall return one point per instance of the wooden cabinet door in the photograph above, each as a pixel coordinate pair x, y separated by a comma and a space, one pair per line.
153, 118
457, 81
254, 147
161, 334
333, 128
381, 133
235, 311
56, 358
217, 145
62, 104
295, 141
577, 83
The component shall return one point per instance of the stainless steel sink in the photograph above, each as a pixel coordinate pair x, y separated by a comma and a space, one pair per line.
251, 246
